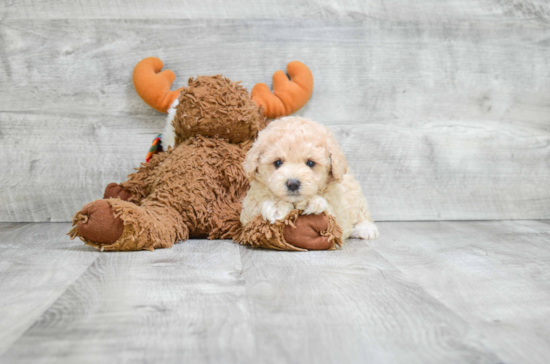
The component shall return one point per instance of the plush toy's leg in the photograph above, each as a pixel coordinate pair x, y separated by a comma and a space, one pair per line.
114, 190
138, 185
296, 232
119, 225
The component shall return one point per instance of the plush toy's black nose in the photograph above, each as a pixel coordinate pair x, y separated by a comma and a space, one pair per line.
293, 184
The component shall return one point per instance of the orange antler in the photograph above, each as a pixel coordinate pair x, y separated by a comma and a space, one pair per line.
288, 95
154, 87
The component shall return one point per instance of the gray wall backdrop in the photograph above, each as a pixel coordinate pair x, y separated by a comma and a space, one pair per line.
441, 106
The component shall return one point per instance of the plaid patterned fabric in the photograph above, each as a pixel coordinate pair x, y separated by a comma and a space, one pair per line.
156, 147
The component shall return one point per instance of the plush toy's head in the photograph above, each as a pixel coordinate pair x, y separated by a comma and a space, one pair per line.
215, 106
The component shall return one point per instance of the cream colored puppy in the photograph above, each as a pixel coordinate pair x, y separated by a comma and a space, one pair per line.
296, 164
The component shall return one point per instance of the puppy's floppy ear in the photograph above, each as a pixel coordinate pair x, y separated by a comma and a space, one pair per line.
252, 160
338, 163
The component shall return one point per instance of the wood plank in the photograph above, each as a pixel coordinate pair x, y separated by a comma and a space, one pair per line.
450, 170
185, 304
492, 274
435, 10
350, 306
365, 72
67, 161
430, 171
37, 265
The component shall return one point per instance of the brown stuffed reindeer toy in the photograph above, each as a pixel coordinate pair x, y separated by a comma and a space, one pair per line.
195, 187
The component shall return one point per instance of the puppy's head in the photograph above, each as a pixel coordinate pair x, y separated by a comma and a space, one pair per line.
295, 158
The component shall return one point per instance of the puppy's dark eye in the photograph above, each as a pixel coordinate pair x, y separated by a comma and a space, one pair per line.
310, 163
278, 163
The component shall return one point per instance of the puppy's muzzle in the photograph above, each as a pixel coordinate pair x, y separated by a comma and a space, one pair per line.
293, 185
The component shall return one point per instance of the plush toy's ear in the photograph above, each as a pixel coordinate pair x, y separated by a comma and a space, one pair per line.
288, 96
338, 163
252, 160
153, 86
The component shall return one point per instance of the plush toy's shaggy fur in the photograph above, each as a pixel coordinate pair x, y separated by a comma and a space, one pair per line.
195, 188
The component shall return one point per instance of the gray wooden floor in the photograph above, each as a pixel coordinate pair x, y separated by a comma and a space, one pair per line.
425, 292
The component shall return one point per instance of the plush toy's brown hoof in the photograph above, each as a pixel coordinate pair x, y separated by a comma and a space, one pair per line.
113, 190
97, 223
306, 234
296, 233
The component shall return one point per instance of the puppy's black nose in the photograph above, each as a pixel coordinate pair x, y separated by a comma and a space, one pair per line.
293, 184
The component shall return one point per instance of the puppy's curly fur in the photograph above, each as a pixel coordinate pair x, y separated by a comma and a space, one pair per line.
296, 164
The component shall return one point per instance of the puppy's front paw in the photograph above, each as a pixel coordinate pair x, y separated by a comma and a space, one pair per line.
315, 206
275, 210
